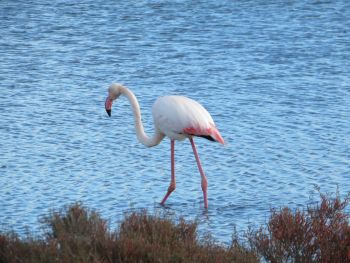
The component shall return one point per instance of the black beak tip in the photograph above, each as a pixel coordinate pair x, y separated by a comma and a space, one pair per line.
109, 112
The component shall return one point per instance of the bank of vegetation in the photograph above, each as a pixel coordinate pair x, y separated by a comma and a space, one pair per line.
318, 233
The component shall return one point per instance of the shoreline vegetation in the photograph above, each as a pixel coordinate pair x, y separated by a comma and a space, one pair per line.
318, 233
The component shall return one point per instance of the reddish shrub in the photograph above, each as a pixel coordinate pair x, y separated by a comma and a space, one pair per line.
321, 233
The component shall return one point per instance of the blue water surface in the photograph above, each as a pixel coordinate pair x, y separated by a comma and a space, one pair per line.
275, 76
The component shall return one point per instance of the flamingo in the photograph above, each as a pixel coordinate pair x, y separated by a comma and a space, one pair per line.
175, 117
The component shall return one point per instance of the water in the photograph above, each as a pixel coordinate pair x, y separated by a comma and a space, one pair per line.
274, 76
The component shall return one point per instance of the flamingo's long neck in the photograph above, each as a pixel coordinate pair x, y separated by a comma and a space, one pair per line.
140, 133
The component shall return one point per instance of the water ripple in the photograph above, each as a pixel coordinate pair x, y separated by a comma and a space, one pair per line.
273, 75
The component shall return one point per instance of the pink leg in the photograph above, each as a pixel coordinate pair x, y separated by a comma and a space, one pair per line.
204, 178
172, 185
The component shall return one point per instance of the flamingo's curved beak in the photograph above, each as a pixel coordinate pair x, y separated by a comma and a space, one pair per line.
108, 106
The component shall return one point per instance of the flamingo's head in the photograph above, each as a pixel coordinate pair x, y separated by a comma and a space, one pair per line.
114, 92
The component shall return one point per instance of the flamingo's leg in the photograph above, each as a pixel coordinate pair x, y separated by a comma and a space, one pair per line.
204, 178
172, 185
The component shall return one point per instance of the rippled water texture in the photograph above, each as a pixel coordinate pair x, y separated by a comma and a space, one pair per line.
275, 78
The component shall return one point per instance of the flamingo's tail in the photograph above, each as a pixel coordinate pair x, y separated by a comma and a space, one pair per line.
216, 135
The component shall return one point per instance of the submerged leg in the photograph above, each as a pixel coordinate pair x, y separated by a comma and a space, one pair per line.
172, 185
204, 178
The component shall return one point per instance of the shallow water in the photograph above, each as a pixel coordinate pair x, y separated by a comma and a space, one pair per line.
274, 76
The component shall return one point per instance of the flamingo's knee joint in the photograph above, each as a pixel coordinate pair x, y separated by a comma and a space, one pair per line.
171, 187
204, 185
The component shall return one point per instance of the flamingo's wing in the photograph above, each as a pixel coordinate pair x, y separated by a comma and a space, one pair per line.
178, 117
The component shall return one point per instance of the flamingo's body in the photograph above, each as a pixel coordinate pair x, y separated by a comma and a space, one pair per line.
176, 117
